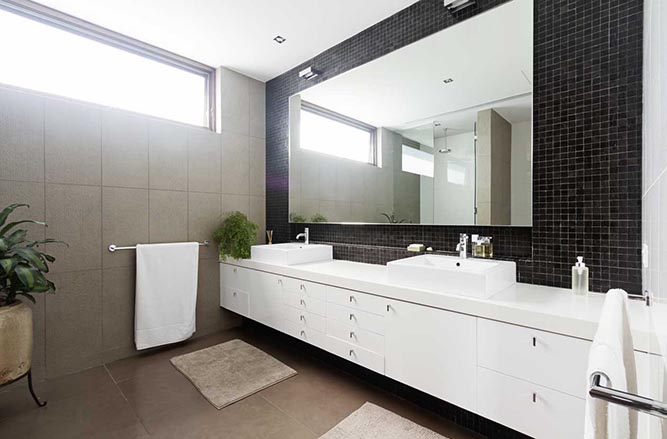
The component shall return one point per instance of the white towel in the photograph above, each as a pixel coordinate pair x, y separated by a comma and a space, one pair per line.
166, 294
612, 354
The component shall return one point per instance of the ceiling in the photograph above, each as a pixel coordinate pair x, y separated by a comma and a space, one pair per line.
236, 34
488, 57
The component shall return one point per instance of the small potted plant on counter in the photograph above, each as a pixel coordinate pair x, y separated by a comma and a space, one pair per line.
235, 236
22, 273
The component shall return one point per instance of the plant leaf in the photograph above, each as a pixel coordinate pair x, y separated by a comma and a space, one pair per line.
8, 264
8, 210
46, 241
17, 237
4, 245
10, 226
26, 275
33, 257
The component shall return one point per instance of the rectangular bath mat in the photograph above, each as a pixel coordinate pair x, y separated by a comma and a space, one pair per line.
231, 371
373, 422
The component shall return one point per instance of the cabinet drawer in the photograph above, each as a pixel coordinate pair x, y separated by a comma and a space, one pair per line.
531, 409
551, 360
356, 336
235, 300
305, 303
355, 318
307, 319
308, 335
356, 354
357, 300
234, 277
310, 289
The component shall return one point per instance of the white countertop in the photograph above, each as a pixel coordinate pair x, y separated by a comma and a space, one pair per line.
546, 308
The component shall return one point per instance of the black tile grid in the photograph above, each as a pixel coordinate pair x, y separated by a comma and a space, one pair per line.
586, 150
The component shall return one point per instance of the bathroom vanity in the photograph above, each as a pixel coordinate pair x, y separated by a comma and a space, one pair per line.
518, 358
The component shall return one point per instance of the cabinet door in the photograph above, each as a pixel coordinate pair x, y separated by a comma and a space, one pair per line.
432, 350
266, 302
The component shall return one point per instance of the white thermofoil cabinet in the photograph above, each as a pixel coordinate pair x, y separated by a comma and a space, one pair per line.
432, 350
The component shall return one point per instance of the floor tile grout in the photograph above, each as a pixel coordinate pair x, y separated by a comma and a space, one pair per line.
287, 414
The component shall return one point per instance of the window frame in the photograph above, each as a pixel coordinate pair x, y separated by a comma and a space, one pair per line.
85, 29
346, 120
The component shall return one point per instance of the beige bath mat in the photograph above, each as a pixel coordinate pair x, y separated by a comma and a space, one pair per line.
373, 422
231, 371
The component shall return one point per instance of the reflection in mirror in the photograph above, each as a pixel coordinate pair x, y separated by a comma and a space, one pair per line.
437, 132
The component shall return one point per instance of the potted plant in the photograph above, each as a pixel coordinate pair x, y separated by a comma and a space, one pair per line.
235, 236
22, 273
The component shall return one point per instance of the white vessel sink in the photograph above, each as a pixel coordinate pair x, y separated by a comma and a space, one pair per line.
291, 253
450, 274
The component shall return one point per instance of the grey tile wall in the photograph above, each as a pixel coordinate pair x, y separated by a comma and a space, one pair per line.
100, 176
587, 141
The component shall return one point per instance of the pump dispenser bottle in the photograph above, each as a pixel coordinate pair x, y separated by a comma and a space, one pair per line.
580, 277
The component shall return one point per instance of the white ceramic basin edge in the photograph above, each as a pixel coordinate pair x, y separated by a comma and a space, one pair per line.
291, 253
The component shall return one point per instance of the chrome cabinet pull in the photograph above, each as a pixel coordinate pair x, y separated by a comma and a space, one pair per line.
352, 334
234, 294
302, 302
234, 270
534, 341
351, 352
388, 308
352, 316
534, 397
302, 318
302, 287
351, 299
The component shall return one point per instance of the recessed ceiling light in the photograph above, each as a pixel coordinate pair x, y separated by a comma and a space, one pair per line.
280, 40
448, 80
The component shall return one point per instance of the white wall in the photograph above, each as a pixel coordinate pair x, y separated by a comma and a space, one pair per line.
522, 189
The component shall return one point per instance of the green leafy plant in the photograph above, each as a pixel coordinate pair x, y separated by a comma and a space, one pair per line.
22, 265
235, 236
296, 218
392, 219
318, 218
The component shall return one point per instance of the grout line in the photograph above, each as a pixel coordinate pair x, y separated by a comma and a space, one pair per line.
285, 413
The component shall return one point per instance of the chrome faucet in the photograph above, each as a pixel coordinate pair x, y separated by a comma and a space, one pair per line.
304, 235
462, 246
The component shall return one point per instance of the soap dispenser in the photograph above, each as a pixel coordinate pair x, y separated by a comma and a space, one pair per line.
580, 277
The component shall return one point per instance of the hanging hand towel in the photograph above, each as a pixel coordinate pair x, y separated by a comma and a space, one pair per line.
166, 293
612, 354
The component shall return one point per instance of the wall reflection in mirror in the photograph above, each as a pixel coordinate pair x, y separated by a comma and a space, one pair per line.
437, 132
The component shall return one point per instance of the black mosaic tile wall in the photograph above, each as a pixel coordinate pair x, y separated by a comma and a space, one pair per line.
586, 143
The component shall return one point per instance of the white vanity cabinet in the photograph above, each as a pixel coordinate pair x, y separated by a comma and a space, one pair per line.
266, 299
530, 380
432, 350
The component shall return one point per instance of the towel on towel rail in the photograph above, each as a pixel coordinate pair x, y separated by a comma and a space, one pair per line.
612, 354
166, 293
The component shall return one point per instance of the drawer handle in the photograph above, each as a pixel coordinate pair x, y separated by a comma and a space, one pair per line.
234, 270
302, 318
534, 397
303, 333
234, 294
280, 281
351, 299
388, 308
352, 316
351, 352
302, 302
534, 341
302, 287
352, 334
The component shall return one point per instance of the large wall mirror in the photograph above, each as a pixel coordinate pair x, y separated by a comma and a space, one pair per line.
437, 132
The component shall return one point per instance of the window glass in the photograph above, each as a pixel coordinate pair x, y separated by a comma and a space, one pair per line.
40, 57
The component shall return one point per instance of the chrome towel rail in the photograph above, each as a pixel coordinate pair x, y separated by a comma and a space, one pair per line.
114, 247
635, 402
